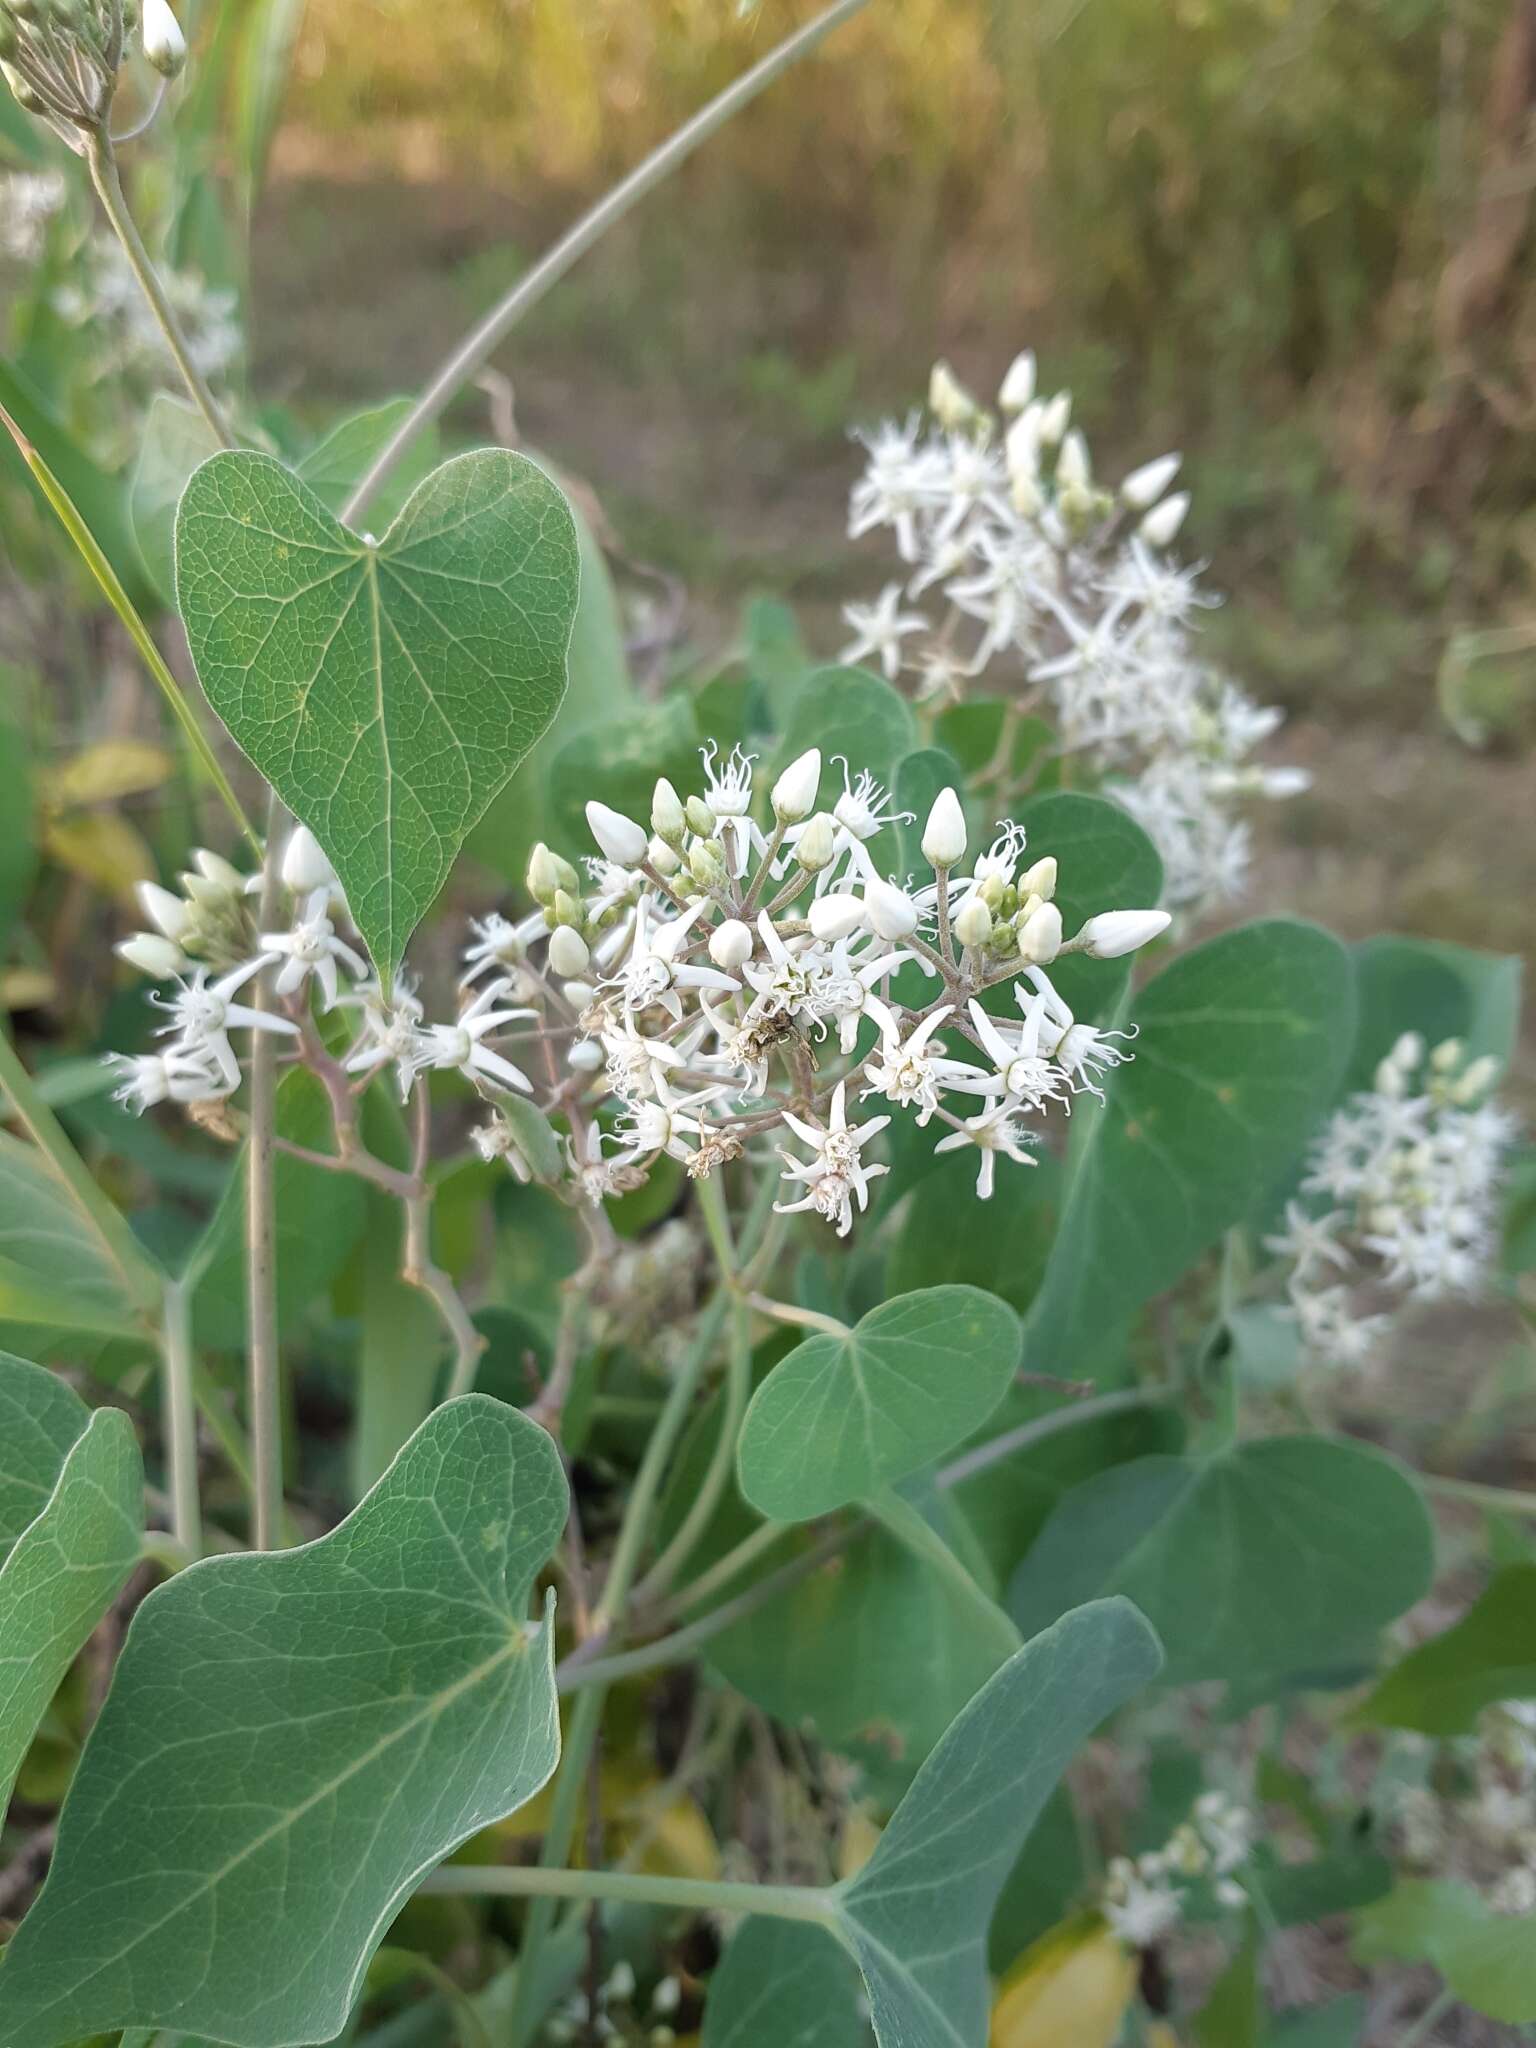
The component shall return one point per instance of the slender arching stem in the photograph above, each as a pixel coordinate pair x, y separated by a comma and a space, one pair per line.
698, 1895
263, 1360
109, 190
181, 1417
476, 347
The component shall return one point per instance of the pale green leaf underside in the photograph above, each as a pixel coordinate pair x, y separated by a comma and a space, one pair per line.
54, 1270
1272, 1558
917, 1915
783, 1981
386, 691
41, 1418
291, 1741
842, 1417
62, 1574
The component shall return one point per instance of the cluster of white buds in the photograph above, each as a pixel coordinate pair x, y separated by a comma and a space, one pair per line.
1143, 1897
61, 58
1014, 550
1473, 1816
1405, 1182
715, 980
720, 971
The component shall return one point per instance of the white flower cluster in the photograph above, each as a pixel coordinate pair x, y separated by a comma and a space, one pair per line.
1477, 1821
708, 987
29, 201
104, 298
1013, 549
1143, 1897
723, 972
1405, 1182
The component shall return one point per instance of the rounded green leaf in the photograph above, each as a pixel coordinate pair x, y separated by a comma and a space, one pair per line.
916, 1916
1268, 1560
386, 689
843, 1416
291, 1741
1443, 1685
71, 1517
1240, 1047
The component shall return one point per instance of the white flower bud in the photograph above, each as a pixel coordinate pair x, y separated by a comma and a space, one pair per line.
1445, 1058
568, 952
1480, 1075
214, 868
1163, 521
304, 866
1113, 933
701, 819
794, 794
546, 873
619, 839
170, 915
944, 833
706, 864
578, 994
1073, 470
1283, 782
153, 955
669, 821
1040, 936
1409, 1051
1143, 487
836, 917
817, 843
1040, 880
1018, 387
586, 1056
948, 400
663, 858
1055, 415
891, 912
164, 45
973, 924
730, 945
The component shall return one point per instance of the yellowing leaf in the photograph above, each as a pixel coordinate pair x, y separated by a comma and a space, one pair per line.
103, 849
1069, 1989
106, 772
857, 1845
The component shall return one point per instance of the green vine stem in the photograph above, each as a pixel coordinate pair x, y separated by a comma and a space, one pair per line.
181, 1417
264, 1397
693, 1895
109, 190
478, 345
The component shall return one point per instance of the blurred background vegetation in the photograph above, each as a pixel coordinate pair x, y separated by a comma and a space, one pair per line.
1293, 237
1290, 236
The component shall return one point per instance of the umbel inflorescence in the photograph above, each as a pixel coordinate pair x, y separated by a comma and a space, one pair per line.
1015, 555
710, 983
61, 58
1402, 1187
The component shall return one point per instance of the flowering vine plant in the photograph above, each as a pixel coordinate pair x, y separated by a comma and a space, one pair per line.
844, 1302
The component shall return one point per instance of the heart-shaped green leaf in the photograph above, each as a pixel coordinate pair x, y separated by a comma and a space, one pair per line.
1270, 1559
386, 690
291, 1741
1240, 1047
71, 1516
1442, 1686
916, 1916
843, 1416
784, 1982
